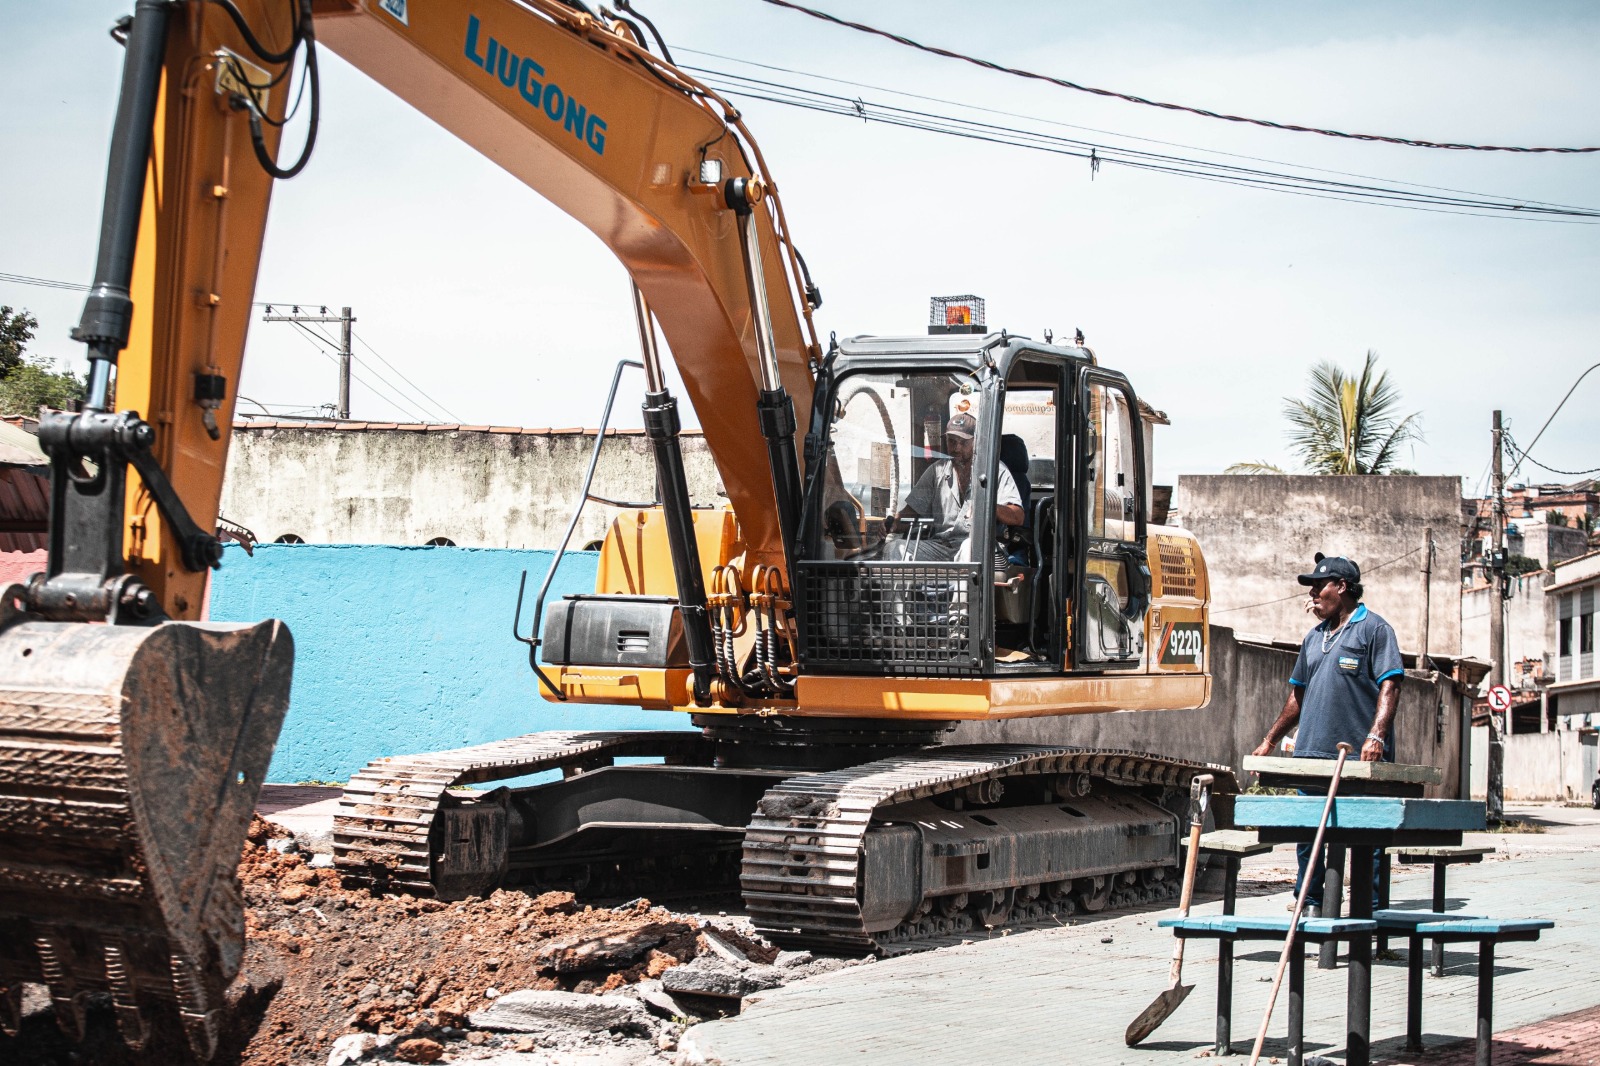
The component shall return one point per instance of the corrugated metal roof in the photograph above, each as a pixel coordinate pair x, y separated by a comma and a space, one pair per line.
24, 508
19, 447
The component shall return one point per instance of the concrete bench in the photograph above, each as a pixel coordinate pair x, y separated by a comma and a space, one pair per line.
1458, 929
1233, 846
1226, 929
1441, 859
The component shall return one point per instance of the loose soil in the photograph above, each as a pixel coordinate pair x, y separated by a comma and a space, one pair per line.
322, 961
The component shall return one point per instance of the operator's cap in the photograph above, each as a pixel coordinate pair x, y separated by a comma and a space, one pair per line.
1332, 568
961, 425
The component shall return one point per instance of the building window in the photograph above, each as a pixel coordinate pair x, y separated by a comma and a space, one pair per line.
440, 542
1586, 634
1564, 640
289, 538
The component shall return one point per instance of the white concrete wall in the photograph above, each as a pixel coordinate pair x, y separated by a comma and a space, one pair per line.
1259, 531
1526, 628
1558, 766
480, 488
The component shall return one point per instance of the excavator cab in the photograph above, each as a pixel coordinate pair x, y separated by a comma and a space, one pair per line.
911, 566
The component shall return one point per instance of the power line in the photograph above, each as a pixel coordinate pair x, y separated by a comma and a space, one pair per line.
400, 405
1087, 129
1552, 417
1298, 595
415, 387
1478, 205
433, 410
404, 408
1165, 105
44, 283
1524, 456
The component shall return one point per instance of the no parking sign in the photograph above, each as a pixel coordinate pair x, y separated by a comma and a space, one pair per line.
1499, 698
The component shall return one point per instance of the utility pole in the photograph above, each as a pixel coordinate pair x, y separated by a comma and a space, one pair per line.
1497, 634
1427, 597
344, 319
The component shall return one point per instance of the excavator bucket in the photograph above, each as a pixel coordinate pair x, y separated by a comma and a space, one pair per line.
130, 761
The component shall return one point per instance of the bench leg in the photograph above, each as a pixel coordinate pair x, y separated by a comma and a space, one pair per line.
1297, 1003
1383, 898
1485, 1002
1230, 883
1439, 870
1224, 1044
1414, 995
1332, 895
1358, 1048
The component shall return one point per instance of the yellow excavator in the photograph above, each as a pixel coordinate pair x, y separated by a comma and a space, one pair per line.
945, 527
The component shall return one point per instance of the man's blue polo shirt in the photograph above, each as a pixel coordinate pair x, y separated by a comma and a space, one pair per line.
1339, 674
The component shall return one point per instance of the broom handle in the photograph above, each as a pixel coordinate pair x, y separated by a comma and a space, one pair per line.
1299, 905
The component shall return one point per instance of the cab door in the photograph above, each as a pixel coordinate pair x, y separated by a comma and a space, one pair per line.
1111, 590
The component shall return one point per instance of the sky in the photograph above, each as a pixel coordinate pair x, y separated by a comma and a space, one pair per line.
1215, 300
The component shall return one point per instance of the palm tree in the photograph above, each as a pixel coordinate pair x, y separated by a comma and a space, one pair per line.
1348, 424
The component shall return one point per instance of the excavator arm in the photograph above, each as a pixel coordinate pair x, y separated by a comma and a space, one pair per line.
133, 737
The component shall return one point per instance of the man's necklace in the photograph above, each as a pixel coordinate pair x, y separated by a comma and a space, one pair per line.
1329, 639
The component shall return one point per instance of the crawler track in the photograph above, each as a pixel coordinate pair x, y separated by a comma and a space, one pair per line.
384, 831
803, 850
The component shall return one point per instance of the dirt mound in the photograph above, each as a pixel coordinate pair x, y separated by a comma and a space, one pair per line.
323, 961
356, 962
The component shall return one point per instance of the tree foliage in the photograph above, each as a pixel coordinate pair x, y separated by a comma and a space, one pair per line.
16, 330
1349, 424
28, 383
34, 384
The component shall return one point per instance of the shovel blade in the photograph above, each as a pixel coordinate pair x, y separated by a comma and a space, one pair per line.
1159, 1010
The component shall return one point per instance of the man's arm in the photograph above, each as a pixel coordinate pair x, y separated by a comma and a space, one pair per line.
919, 501
1388, 701
1286, 721
1384, 661
1007, 499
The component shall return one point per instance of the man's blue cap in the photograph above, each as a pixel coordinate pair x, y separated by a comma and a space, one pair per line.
1333, 568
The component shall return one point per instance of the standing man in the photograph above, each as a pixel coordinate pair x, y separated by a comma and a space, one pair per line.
1345, 686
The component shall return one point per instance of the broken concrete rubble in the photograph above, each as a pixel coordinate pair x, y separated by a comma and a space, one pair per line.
530, 1011
723, 982
578, 954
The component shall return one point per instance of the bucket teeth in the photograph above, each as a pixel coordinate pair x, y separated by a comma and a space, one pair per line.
55, 965
201, 1021
130, 1019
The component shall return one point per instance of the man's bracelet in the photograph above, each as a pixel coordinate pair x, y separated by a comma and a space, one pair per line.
1374, 736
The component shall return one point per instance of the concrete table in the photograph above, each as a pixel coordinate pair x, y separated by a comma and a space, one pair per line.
1360, 823
1357, 779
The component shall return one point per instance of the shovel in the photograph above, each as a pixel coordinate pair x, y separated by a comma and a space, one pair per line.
1161, 1008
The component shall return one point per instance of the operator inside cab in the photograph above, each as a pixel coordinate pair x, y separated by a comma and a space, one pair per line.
942, 499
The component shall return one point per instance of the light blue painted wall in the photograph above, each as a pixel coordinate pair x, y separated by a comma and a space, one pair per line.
404, 649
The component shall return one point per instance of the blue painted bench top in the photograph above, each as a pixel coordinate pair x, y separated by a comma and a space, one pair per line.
1406, 920
1234, 923
1432, 924
1475, 928
1359, 812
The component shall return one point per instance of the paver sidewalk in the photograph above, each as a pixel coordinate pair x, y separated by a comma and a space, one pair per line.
1570, 1040
1064, 996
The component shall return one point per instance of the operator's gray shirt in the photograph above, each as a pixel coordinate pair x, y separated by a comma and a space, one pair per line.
1339, 674
937, 495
